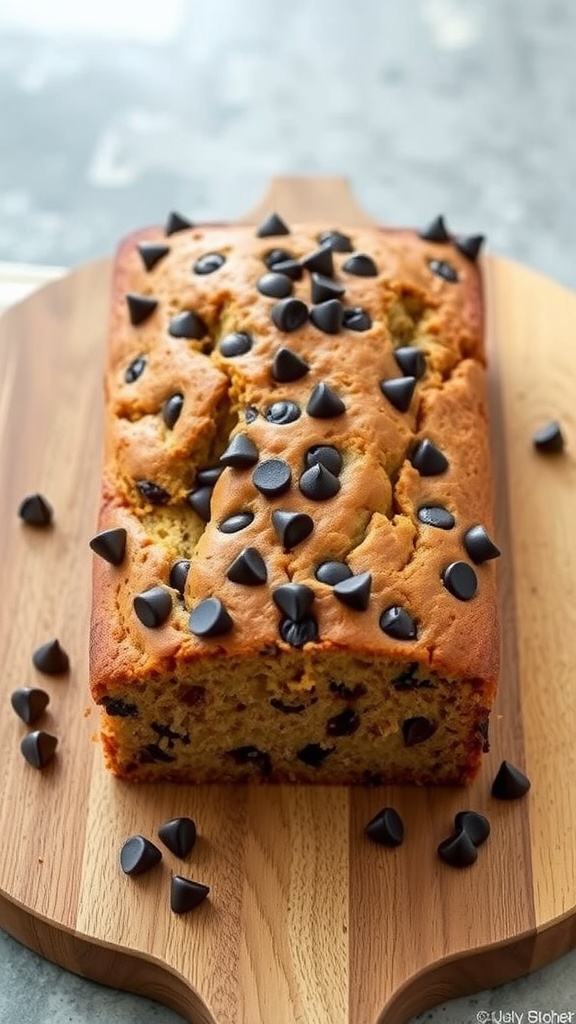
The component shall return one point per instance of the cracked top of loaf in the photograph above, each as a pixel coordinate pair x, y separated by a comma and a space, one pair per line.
260, 439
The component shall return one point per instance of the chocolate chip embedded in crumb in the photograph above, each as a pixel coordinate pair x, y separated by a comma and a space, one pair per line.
320, 261
549, 439
135, 369
236, 522
314, 755
435, 231
118, 708
187, 325
509, 783
356, 319
428, 459
291, 527
210, 618
386, 828
240, 453
299, 633
475, 825
29, 703
179, 574
444, 270
328, 316
354, 592
324, 288
176, 222
200, 499
461, 580
248, 568
294, 599
324, 403
282, 412
289, 314
38, 748
151, 253
287, 366
398, 623
250, 754
318, 483
272, 225
336, 241
326, 455
411, 361
360, 264
238, 343
51, 658
333, 572
469, 245
151, 753
287, 709
417, 729
171, 410
343, 724
185, 894
179, 835
209, 263
152, 492
110, 545
138, 855
345, 692
458, 850
399, 391
153, 606
275, 285
479, 546
437, 516
140, 307
34, 510
272, 477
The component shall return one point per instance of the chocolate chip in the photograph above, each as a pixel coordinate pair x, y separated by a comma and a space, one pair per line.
332, 573
185, 894
326, 455
314, 755
151, 754
34, 510
320, 261
356, 319
278, 256
210, 618
291, 527
299, 633
140, 307
153, 606
135, 370
152, 492
287, 709
209, 263
428, 459
236, 522
549, 438
151, 253
187, 325
110, 545
510, 783
208, 475
460, 579
287, 366
409, 679
51, 658
475, 825
171, 410
336, 241
444, 270
200, 499
236, 344
118, 708
346, 692
399, 391
435, 231
469, 245
436, 515
289, 314
458, 850
252, 755
251, 414
344, 724
240, 453
179, 574
355, 591
411, 361
179, 835
328, 316
274, 285
176, 222
272, 225
398, 623
294, 599
324, 288
361, 264
38, 748
29, 703
248, 568
318, 483
324, 403
138, 855
479, 546
386, 828
272, 477
290, 268
282, 412
416, 730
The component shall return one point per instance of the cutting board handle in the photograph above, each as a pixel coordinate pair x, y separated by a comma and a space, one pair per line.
317, 199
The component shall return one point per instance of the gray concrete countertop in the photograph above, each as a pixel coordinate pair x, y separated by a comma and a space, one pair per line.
115, 112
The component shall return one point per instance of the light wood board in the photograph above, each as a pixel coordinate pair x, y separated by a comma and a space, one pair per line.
307, 922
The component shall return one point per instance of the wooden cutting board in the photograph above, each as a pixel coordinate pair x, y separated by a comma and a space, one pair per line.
307, 922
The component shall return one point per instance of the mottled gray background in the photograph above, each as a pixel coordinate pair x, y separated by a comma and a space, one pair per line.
113, 112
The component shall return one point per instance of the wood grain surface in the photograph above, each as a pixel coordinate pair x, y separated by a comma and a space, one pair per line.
307, 922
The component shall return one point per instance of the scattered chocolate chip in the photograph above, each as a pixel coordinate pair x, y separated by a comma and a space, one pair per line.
287, 709
171, 410
135, 370
398, 623
291, 527
458, 850
318, 483
428, 459
299, 633
186, 894
326, 455
34, 510
479, 546
210, 618
287, 366
252, 755
469, 245
444, 270
461, 580
386, 828
152, 492
320, 261
275, 285
248, 568
324, 403
294, 599
236, 344
399, 391
272, 225
187, 325
153, 606
354, 592
475, 825
344, 724
110, 545
436, 515
151, 753
236, 522
324, 288
356, 319
332, 573
360, 264
118, 708
509, 783
289, 314
179, 835
416, 730
282, 412
179, 574
278, 256
290, 268
549, 438
328, 316
240, 453
176, 222
29, 703
200, 499
314, 755
51, 658
336, 241
409, 679
272, 477
208, 475
435, 231
411, 361
346, 692
209, 263
140, 307
138, 855
151, 253
38, 748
